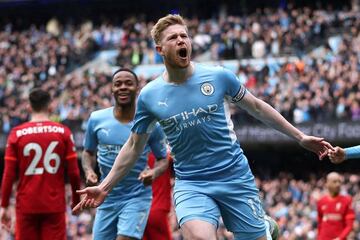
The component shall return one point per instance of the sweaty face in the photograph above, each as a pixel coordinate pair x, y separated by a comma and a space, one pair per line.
175, 46
124, 88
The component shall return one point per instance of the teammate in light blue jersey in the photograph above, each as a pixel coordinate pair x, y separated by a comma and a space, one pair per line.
213, 177
124, 213
341, 154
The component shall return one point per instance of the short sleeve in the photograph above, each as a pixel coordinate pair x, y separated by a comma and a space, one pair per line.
234, 89
144, 121
90, 139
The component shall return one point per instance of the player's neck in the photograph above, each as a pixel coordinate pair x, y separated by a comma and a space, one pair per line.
333, 195
124, 114
39, 117
178, 75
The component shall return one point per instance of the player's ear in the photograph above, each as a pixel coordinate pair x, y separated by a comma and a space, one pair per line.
159, 49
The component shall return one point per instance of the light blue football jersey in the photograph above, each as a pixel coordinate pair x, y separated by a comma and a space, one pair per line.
196, 120
107, 135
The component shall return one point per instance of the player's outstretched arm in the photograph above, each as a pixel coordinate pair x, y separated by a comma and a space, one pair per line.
268, 115
338, 155
124, 161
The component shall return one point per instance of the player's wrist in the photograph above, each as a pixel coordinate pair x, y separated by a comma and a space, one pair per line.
105, 188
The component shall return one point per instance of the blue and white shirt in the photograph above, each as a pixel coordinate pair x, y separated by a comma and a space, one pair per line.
196, 120
106, 135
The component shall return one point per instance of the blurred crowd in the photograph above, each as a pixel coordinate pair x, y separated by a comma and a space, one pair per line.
313, 88
317, 87
291, 202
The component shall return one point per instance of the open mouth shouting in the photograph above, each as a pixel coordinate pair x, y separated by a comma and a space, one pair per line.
183, 53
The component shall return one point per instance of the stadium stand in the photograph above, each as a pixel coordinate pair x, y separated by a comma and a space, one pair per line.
307, 62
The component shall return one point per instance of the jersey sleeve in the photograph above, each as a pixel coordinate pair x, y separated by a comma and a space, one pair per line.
157, 142
234, 89
70, 146
10, 149
349, 219
144, 121
90, 139
319, 215
10, 169
73, 170
352, 152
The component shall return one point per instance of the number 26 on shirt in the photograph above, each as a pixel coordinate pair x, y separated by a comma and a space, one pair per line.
47, 157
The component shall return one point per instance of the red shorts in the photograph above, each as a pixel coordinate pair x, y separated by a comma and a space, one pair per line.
158, 226
40, 226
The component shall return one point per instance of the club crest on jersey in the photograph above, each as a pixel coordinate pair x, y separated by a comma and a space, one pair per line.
207, 89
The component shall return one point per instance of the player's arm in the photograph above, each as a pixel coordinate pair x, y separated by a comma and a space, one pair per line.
88, 162
72, 168
268, 115
157, 142
8, 179
88, 156
341, 154
124, 161
349, 221
149, 175
319, 217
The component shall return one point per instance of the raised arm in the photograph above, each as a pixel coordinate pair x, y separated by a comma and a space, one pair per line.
341, 154
124, 161
268, 115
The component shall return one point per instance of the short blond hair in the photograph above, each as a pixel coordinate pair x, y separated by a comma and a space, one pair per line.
165, 22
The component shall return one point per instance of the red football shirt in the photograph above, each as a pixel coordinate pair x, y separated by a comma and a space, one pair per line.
161, 187
38, 153
335, 217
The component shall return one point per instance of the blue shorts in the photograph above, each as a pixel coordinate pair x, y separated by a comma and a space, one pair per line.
125, 218
237, 202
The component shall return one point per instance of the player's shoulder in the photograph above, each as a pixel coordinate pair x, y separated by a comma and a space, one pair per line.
101, 113
153, 85
21, 126
217, 72
211, 68
345, 198
323, 199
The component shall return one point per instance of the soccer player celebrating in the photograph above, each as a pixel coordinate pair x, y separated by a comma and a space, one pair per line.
125, 211
335, 213
341, 154
212, 175
38, 152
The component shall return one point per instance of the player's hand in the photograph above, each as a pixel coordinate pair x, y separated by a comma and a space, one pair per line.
317, 145
5, 218
147, 176
94, 196
91, 178
337, 155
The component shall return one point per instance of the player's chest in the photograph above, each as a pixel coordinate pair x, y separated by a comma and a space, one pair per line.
184, 102
112, 133
333, 207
